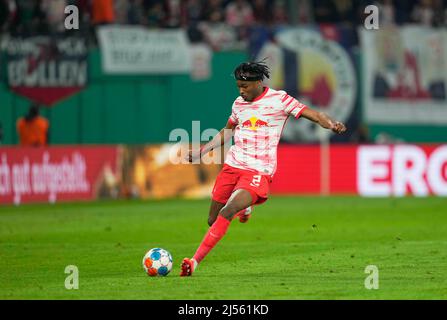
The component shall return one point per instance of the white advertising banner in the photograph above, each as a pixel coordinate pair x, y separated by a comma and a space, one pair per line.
400, 170
137, 50
405, 75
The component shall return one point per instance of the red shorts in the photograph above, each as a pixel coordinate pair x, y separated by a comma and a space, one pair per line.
231, 179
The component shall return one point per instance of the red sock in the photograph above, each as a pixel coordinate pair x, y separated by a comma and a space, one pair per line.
212, 237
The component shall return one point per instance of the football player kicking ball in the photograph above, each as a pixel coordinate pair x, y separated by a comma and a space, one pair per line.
257, 119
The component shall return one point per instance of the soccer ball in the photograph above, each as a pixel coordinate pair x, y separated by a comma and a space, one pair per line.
157, 262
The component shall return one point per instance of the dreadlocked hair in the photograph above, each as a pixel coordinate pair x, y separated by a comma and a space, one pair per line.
252, 71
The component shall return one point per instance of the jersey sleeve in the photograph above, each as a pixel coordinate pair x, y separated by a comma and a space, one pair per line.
292, 106
233, 117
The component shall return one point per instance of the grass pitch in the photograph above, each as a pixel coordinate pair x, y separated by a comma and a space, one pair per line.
292, 248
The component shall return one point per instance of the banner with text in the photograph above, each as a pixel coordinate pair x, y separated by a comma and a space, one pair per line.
88, 173
58, 173
138, 50
366, 170
46, 69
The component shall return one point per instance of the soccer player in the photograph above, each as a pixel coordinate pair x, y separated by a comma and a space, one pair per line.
256, 121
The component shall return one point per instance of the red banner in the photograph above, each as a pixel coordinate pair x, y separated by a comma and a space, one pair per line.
367, 170
298, 170
92, 172
57, 173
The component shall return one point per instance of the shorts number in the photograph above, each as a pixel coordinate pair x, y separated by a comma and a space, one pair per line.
256, 180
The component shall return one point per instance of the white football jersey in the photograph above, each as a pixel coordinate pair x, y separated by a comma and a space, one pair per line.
259, 124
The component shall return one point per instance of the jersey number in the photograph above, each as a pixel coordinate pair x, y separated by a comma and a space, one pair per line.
256, 180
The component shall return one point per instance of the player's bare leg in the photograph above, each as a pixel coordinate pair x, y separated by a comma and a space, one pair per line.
215, 207
239, 200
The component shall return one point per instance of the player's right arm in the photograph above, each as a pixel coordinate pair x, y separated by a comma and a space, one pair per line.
324, 120
219, 139
297, 109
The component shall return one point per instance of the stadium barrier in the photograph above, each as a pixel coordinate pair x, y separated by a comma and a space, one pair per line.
55, 173
71, 173
366, 170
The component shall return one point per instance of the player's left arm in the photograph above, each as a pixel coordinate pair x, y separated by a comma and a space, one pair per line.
219, 140
324, 120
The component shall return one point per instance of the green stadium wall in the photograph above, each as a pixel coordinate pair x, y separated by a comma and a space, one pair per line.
131, 109
144, 109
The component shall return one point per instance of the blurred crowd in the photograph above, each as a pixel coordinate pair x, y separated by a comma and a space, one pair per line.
43, 16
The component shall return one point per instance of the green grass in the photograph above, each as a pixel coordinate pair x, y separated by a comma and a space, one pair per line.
292, 248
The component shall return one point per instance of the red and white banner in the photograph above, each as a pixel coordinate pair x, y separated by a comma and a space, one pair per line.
46, 69
56, 173
366, 170
91, 172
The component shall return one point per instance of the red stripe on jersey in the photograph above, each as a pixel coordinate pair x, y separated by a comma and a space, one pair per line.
293, 109
291, 100
285, 98
275, 114
304, 107
238, 162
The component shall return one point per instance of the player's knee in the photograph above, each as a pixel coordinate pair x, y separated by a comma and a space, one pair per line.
228, 212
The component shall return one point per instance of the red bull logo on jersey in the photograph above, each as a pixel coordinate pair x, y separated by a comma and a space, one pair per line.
254, 123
